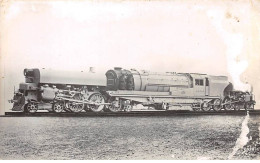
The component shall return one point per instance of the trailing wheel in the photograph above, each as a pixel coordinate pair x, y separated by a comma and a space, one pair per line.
205, 106
127, 105
31, 107
115, 106
217, 105
58, 107
228, 104
96, 98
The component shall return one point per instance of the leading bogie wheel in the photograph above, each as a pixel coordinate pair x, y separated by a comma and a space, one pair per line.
217, 105
58, 107
97, 99
31, 107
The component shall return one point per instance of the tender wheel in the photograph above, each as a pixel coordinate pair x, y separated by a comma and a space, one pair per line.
164, 106
128, 108
217, 105
152, 107
31, 107
58, 107
96, 98
205, 106
114, 107
236, 108
239, 107
196, 107
228, 105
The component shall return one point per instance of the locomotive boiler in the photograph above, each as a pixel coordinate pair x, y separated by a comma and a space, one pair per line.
43, 87
122, 90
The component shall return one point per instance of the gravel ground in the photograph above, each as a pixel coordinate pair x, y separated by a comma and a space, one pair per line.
252, 149
171, 137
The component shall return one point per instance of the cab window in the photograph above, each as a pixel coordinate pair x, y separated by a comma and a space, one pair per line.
199, 82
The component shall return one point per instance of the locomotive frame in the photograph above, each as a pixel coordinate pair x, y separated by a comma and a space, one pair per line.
122, 90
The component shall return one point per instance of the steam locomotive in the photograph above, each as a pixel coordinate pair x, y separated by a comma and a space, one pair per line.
123, 90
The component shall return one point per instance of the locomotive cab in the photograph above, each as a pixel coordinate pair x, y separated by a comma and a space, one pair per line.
199, 87
207, 85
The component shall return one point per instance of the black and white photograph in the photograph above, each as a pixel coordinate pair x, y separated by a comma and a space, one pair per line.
130, 80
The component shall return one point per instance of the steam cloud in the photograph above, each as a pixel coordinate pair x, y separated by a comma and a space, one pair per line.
234, 44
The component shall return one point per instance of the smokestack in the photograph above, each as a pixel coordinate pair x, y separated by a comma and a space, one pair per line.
117, 68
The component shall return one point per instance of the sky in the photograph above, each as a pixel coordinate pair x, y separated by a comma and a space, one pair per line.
213, 37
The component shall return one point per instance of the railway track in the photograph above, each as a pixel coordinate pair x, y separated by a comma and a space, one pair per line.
133, 113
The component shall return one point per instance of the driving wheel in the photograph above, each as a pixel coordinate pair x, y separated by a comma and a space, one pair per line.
217, 105
98, 99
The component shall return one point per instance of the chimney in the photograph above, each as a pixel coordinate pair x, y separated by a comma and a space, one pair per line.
117, 68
